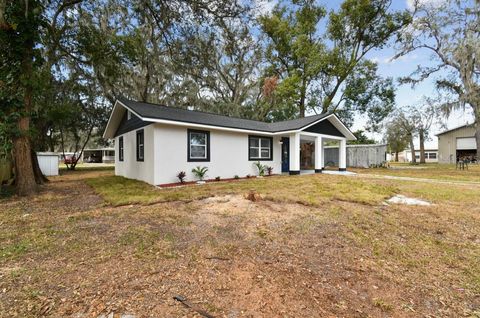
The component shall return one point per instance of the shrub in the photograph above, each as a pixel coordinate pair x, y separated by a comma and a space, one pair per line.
200, 172
181, 176
269, 170
236, 176
260, 167
217, 178
330, 164
248, 176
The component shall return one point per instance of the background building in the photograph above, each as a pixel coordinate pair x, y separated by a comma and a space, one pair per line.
457, 142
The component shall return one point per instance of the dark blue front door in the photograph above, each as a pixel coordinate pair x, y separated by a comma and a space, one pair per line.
285, 154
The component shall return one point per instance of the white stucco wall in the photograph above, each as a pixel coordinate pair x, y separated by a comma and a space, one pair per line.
228, 155
166, 155
130, 167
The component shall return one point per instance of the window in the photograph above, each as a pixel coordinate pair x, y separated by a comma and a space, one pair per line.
198, 145
120, 149
417, 156
260, 148
432, 155
140, 145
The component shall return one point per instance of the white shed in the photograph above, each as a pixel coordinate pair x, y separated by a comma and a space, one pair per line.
48, 162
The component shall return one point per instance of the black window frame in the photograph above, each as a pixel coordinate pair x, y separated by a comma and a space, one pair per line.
142, 134
207, 133
260, 143
120, 148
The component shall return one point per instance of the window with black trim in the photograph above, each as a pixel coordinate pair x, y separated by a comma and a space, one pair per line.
140, 145
260, 148
120, 148
198, 145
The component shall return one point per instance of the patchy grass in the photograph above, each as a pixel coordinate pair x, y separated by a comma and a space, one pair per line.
315, 190
317, 245
446, 172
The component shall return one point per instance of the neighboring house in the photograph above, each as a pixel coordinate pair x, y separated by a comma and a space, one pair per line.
154, 143
456, 143
99, 155
431, 155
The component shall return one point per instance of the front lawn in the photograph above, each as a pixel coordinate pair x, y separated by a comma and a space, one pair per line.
94, 244
436, 171
309, 190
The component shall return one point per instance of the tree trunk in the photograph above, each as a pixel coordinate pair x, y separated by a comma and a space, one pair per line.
302, 104
421, 137
412, 150
477, 137
39, 177
396, 156
303, 94
24, 175
477, 129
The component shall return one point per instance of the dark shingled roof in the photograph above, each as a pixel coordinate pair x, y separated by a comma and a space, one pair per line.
154, 111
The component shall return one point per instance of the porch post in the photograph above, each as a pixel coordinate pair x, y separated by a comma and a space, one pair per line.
323, 155
318, 154
342, 152
294, 153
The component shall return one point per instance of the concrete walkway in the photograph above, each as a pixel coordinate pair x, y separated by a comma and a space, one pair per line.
340, 173
344, 173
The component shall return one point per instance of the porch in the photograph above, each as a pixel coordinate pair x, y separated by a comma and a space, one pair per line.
304, 152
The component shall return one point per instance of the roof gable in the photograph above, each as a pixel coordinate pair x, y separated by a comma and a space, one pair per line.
324, 127
127, 125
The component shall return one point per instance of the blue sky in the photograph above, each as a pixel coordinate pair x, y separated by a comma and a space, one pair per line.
405, 95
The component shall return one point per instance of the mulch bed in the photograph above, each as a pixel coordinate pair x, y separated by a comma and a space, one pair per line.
190, 183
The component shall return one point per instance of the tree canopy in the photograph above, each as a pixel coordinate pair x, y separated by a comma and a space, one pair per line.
64, 63
450, 31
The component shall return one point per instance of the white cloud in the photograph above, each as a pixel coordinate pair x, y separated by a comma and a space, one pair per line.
434, 3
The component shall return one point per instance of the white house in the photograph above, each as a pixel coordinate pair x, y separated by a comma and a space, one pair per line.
431, 155
154, 143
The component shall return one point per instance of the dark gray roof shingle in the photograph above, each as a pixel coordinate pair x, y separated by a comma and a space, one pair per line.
154, 111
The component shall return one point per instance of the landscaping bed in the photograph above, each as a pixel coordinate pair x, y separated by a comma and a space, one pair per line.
190, 183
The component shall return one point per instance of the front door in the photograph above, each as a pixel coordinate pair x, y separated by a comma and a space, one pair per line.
285, 154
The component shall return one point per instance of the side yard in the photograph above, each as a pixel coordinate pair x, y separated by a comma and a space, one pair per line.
447, 172
315, 245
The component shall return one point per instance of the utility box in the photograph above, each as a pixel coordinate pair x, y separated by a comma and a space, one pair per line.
48, 162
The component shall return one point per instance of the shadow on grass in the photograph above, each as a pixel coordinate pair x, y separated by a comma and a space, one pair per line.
64, 170
6, 191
